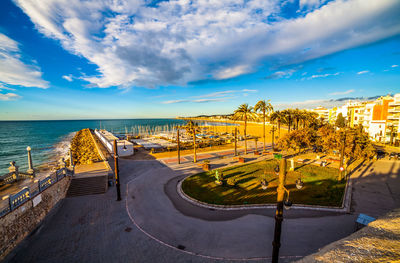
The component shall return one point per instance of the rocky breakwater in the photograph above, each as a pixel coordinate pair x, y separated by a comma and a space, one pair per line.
84, 150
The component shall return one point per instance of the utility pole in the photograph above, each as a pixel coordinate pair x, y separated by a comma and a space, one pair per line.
279, 211
235, 141
341, 168
116, 171
179, 145
273, 136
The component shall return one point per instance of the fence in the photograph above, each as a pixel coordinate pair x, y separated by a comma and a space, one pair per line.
10, 203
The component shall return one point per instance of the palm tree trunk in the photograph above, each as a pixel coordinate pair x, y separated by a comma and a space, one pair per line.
263, 132
194, 147
245, 137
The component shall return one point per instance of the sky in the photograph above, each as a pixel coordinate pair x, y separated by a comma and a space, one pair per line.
94, 59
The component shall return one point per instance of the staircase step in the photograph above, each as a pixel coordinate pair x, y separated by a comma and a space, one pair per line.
87, 186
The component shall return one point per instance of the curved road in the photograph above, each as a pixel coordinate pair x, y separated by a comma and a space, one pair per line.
153, 223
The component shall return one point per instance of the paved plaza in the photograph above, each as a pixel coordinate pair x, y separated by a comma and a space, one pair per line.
154, 224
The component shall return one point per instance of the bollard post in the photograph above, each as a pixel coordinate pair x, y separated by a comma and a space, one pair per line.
30, 165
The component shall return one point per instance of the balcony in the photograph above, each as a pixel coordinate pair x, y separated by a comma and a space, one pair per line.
394, 110
393, 117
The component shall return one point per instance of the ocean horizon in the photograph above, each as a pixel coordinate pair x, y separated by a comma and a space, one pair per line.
50, 139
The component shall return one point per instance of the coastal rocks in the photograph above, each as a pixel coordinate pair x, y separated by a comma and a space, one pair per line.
83, 148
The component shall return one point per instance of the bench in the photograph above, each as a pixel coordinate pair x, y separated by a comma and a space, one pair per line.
300, 160
363, 220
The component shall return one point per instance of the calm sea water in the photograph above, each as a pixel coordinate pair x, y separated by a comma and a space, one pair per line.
49, 140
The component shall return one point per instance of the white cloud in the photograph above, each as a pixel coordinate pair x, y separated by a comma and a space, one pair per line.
207, 100
176, 42
342, 92
15, 71
362, 72
224, 93
9, 96
67, 77
280, 74
2, 87
395, 66
249, 90
231, 72
174, 101
324, 75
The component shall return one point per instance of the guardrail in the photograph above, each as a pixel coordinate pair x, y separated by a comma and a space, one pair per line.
11, 202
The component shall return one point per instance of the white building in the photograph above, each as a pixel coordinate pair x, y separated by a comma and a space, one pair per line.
377, 130
124, 147
368, 114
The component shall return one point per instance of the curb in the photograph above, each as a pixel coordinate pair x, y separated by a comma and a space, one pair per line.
345, 208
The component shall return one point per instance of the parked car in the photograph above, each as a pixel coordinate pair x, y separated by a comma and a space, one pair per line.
393, 155
380, 154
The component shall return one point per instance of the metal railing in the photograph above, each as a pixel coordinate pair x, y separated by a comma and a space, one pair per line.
11, 202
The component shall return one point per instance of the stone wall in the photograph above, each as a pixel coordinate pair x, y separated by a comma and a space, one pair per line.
16, 225
377, 242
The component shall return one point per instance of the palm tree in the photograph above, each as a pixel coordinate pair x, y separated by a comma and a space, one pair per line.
297, 115
263, 106
278, 116
288, 117
192, 129
244, 113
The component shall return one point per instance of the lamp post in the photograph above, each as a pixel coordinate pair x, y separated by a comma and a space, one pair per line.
117, 171
341, 169
30, 169
179, 145
235, 141
71, 160
273, 136
279, 210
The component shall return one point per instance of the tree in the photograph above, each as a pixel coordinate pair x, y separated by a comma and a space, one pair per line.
340, 121
192, 128
288, 117
263, 106
392, 133
298, 139
328, 138
278, 116
244, 113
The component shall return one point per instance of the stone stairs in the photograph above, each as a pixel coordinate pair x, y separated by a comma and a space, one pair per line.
88, 186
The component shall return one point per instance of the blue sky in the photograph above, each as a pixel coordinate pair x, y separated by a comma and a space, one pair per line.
70, 59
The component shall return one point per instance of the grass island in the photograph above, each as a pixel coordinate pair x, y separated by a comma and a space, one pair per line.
242, 185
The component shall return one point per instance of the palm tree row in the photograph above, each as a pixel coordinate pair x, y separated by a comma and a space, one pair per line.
292, 118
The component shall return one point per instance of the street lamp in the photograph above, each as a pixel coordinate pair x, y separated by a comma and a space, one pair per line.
281, 190
117, 184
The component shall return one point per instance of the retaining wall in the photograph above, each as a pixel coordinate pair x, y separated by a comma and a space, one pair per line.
16, 225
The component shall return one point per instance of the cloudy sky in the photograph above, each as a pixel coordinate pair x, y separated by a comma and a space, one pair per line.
69, 59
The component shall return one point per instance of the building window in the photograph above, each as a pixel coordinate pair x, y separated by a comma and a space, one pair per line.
355, 118
356, 111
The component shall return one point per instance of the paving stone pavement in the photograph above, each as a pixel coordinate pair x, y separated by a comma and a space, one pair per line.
151, 222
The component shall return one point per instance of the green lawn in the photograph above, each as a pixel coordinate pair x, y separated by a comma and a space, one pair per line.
320, 185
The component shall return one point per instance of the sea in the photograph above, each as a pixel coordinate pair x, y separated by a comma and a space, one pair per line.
50, 140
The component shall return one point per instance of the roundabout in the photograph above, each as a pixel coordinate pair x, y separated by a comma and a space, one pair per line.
155, 206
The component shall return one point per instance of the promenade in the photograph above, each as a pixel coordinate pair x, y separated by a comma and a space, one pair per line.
153, 224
